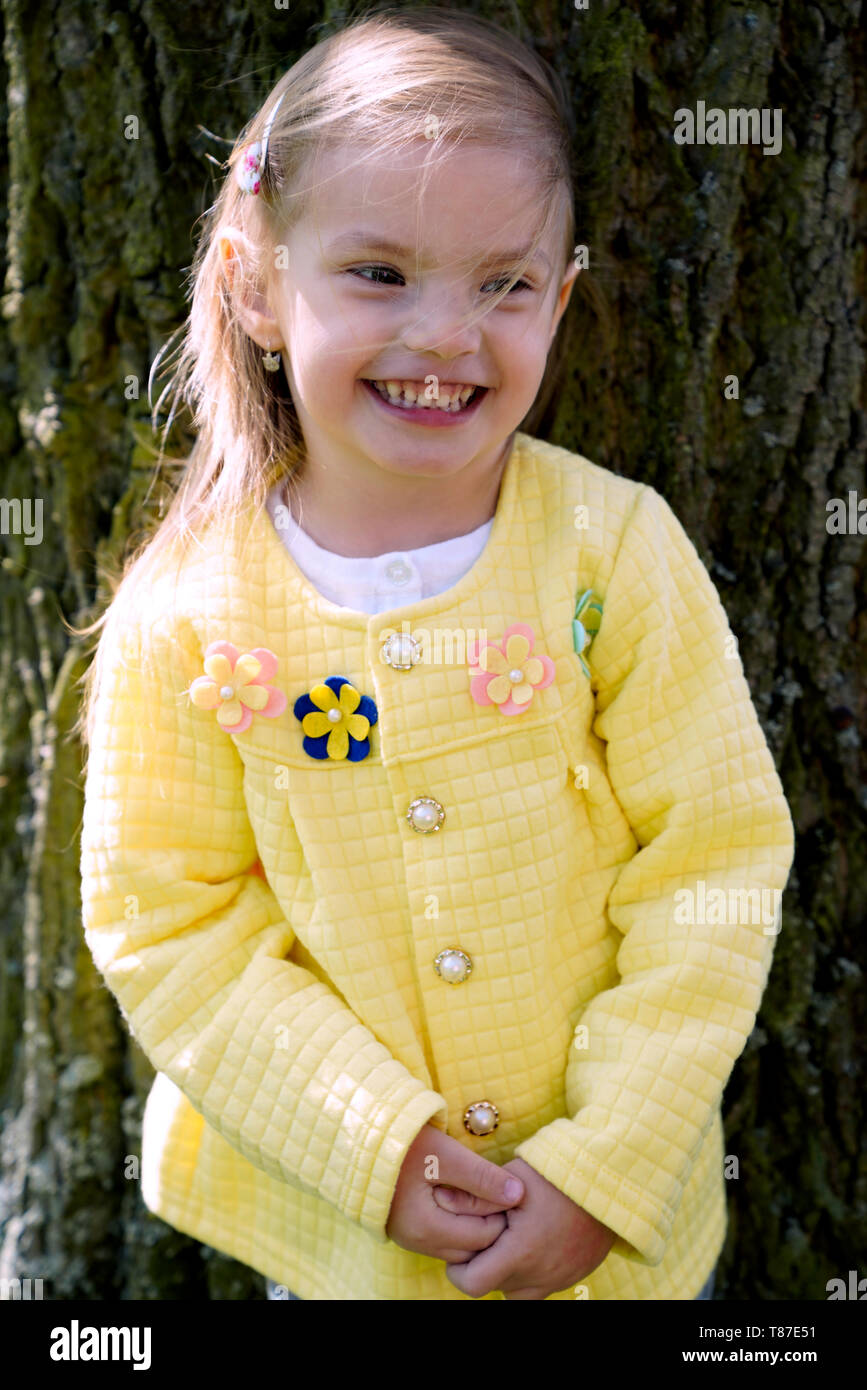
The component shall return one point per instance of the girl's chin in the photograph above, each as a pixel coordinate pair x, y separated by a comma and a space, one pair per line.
415, 461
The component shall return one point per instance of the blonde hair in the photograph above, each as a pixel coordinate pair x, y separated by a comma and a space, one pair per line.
385, 79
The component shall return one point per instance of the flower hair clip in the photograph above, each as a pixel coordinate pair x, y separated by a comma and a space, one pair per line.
250, 169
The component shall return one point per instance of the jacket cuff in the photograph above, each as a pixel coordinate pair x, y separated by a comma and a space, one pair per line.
370, 1185
641, 1224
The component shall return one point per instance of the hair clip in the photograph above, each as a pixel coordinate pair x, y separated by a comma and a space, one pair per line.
250, 169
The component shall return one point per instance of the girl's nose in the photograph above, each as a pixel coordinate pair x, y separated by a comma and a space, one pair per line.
443, 324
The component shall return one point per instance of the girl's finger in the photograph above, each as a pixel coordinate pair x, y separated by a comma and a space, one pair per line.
461, 1203
474, 1174
468, 1233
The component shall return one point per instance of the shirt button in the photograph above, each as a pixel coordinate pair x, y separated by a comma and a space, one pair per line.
482, 1117
425, 814
401, 651
398, 572
453, 965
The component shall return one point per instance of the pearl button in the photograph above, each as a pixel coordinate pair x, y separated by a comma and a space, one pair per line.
227, 692
425, 814
401, 650
515, 676
398, 572
334, 715
453, 965
482, 1117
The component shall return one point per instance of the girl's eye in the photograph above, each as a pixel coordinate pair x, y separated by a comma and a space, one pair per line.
504, 280
377, 272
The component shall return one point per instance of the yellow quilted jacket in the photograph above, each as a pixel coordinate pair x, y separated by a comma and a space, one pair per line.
604, 851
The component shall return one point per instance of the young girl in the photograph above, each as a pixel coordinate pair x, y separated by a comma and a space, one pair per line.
429, 827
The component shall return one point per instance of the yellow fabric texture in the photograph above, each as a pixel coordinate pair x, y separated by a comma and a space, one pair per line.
300, 1033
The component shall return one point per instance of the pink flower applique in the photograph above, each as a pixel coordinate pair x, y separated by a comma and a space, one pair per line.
505, 674
237, 686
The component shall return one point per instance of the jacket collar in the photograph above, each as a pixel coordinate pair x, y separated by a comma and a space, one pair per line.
288, 587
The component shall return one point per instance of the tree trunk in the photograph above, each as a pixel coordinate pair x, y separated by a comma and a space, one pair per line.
716, 262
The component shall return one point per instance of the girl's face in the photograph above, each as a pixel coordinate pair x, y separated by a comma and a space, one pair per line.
379, 286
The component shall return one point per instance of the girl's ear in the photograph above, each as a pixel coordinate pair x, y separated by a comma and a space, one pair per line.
254, 312
563, 297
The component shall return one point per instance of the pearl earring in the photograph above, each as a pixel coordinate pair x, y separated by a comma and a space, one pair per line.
271, 360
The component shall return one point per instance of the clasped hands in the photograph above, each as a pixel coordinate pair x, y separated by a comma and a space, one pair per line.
529, 1246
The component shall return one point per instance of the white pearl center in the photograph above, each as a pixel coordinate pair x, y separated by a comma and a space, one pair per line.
399, 649
227, 692
334, 715
482, 1119
516, 675
424, 815
453, 967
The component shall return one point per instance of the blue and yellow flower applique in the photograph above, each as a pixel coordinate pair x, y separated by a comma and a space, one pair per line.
336, 719
585, 624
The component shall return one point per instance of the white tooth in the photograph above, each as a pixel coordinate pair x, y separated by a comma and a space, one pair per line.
410, 394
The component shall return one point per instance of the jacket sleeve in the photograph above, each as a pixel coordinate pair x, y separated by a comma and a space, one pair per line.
689, 765
193, 944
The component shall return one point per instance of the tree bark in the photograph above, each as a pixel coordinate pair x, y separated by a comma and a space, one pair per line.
715, 262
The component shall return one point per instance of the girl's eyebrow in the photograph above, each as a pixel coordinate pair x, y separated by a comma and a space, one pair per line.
372, 241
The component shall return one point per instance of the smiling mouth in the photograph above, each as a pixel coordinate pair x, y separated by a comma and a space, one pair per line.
412, 395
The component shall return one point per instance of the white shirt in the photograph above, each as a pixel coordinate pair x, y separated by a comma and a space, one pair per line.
373, 583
